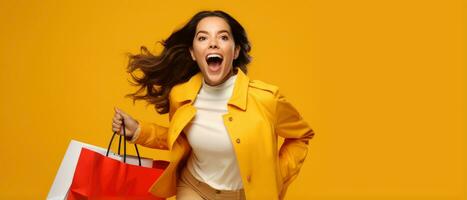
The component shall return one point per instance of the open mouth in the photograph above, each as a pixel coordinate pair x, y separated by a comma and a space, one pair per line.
214, 61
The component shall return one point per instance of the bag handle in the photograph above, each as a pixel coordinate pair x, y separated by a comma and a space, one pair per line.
124, 144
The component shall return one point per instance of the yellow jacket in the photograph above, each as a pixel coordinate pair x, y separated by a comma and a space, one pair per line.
257, 115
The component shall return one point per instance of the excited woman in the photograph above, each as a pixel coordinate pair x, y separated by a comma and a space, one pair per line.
224, 127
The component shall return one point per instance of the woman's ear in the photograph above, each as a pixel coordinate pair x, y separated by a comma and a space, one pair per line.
192, 54
237, 51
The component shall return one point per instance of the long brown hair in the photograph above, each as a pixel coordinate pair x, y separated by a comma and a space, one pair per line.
174, 64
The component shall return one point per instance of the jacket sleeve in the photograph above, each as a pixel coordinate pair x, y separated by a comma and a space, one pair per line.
291, 126
151, 135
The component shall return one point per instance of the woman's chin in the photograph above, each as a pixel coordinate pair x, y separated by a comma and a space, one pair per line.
215, 74
213, 80
212, 77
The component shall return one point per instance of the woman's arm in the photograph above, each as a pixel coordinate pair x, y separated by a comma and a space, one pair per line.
291, 126
151, 135
146, 134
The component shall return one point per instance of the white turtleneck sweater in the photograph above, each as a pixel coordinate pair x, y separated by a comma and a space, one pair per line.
213, 158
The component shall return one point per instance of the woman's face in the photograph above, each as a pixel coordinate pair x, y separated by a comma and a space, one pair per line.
214, 50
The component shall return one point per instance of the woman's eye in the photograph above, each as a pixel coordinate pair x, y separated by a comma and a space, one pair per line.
225, 37
201, 38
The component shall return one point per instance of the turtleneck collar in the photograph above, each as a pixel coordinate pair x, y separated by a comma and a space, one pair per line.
226, 84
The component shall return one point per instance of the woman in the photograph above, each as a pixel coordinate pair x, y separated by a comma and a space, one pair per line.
224, 127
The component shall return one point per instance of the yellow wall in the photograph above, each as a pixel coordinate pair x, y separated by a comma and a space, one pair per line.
382, 83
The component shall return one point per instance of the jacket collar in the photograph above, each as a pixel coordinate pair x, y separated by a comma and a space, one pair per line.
188, 91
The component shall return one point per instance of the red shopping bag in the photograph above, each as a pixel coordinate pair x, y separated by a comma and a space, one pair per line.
100, 177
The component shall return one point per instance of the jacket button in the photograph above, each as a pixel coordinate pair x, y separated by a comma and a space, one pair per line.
238, 140
230, 119
248, 178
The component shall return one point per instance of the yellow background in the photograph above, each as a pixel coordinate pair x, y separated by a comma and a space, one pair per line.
382, 83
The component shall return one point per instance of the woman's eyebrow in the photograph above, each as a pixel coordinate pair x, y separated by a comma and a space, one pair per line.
201, 32
223, 31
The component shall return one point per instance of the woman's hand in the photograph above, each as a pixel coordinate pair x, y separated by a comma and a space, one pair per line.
130, 124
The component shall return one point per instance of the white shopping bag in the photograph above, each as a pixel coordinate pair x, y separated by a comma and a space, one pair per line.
65, 172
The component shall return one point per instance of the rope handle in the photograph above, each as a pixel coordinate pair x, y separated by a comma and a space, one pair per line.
124, 144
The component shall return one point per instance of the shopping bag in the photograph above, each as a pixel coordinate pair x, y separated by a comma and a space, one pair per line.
64, 176
98, 176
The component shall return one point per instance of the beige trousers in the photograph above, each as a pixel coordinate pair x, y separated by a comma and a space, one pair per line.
190, 188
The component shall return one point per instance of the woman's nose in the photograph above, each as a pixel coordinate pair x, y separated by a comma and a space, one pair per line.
213, 44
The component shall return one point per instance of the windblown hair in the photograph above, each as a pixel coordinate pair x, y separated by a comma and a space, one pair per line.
174, 64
